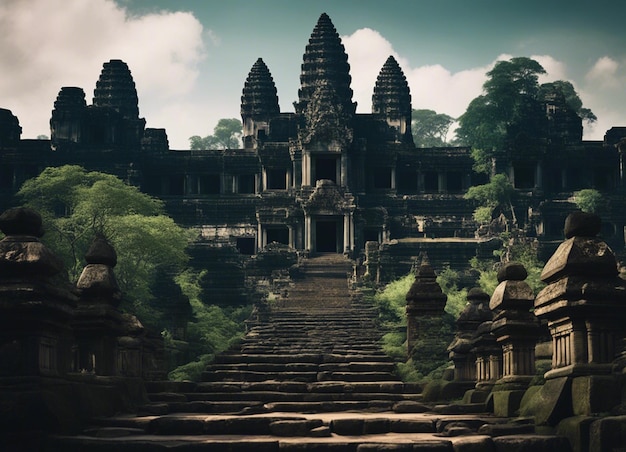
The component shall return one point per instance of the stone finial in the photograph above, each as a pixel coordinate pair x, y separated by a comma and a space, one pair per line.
512, 292
97, 282
582, 254
22, 255
101, 252
21, 221
512, 271
582, 224
425, 290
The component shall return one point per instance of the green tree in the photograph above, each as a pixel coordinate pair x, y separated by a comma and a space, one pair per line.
76, 205
430, 128
497, 193
589, 200
510, 114
226, 135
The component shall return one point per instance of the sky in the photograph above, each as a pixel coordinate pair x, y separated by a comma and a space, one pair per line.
190, 58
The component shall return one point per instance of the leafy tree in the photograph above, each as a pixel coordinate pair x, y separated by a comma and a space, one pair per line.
430, 128
497, 193
226, 135
589, 200
510, 113
76, 205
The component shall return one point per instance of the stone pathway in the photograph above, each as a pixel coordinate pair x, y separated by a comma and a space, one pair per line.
313, 378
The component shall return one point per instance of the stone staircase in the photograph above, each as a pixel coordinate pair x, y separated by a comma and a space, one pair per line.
311, 378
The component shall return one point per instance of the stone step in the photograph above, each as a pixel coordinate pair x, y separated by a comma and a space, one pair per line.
364, 366
279, 396
318, 358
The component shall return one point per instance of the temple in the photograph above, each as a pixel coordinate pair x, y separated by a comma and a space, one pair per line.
323, 179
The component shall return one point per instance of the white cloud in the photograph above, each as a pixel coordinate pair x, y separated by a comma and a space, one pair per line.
56, 43
604, 72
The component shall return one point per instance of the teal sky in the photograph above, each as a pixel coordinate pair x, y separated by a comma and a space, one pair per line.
190, 58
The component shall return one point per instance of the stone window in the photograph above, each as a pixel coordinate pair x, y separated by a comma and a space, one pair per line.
407, 181
278, 234
326, 168
454, 182
371, 235
276, 179
431, 181
209, 184
382, 178
176, 185
524, 177
246, 184
246, 245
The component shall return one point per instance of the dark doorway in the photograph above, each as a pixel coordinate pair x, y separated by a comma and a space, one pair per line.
326, 168
326, 236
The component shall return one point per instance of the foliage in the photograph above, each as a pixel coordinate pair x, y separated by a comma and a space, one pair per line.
76, 205
511, 110
392, 300
394, 344
430, 349
226, 135
449, 279
213, 329
497, 193
430, 128
589, 200
566, 89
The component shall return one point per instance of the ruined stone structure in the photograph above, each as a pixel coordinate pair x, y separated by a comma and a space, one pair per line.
322, 178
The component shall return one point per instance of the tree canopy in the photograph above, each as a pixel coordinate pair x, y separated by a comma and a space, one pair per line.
511, 108
76, 205
430, 128
226, 135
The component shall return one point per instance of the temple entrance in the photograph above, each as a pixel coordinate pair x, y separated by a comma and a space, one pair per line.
328, 236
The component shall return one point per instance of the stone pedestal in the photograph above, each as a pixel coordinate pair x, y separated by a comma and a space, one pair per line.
584, 304
516, 330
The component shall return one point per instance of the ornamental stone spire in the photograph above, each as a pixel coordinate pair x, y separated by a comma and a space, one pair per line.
116, 89
392, 100
259, 96
325, 62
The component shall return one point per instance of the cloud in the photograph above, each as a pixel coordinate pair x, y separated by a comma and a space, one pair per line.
54, 43
604, 73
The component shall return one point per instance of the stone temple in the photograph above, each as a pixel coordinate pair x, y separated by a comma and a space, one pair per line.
322, 179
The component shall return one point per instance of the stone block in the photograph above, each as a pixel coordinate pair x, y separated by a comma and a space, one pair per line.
507, 403
475, 396
576, 430
594, 394
608, 434
550, 403
375, 426
411, 426
476, 443
290, 428
349, 427
531, 443
410, 406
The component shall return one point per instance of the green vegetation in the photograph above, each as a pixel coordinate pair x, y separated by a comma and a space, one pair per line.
430, 129
497, 194
511, 110
226, 135
76, 205
590, 200
213, 329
